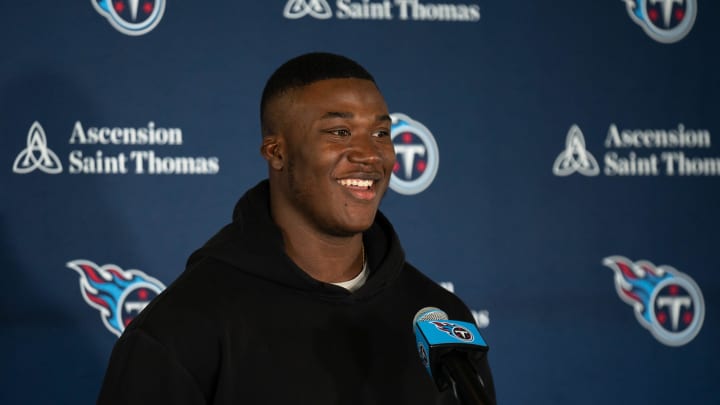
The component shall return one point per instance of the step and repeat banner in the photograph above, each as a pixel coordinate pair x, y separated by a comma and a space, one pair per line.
558, 168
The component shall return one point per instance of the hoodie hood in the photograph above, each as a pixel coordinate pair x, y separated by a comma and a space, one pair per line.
253, 244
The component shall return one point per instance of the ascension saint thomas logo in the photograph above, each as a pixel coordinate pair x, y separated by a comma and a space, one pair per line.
575, 157
319, 9
36, 154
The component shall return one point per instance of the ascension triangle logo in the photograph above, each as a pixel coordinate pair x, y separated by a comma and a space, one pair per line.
319, 9
666, 302
36, 154
118, 294
131, 17
575, 157
665, 21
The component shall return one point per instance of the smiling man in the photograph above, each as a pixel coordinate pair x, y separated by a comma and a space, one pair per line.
306, 297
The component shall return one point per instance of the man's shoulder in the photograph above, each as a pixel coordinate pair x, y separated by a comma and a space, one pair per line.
413, 276
420, 287
196, 299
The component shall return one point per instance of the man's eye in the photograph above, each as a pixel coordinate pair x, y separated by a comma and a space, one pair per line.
382, 133
340, 132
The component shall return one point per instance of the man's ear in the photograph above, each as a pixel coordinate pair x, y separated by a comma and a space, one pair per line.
272, 149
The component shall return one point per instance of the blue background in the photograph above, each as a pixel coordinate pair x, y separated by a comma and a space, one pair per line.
499, 96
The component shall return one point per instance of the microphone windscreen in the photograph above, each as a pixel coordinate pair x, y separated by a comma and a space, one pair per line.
430, 314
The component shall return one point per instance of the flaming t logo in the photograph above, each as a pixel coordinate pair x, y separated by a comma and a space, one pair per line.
667, 302
119, 295
454, 330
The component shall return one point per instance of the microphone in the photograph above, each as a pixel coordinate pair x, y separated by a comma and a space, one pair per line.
445, 348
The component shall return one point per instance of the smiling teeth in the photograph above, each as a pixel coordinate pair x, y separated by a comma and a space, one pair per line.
355, 183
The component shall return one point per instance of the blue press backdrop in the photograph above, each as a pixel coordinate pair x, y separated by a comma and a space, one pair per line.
521, 245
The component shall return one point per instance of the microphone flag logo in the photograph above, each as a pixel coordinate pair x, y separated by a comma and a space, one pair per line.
454, 330
422, 352
120, 295
666, 302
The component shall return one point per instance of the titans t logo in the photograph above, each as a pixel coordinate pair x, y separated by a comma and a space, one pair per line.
131, 17
665, 21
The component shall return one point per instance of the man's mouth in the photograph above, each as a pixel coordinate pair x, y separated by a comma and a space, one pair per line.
361, 184
361, 189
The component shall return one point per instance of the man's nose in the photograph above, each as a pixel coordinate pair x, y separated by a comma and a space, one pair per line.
365, 149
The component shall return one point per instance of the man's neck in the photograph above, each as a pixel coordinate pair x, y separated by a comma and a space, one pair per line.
327, 259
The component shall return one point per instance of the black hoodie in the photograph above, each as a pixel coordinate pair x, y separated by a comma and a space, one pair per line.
244, 325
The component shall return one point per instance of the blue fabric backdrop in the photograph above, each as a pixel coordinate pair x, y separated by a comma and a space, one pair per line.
546, 221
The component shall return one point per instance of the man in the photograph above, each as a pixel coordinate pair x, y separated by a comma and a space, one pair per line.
306, 296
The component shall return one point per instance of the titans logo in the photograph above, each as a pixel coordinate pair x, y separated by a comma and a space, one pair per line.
118, 294
454, 330
665, 21
666, 302
131, 17
416, 153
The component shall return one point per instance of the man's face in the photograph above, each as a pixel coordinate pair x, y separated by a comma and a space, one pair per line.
338, 155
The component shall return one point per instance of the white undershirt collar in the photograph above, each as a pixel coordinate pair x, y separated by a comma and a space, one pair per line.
356, 282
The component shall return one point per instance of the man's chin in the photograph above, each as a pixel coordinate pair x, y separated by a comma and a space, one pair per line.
350, 229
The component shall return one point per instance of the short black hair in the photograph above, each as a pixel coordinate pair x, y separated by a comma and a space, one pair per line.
307, 69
